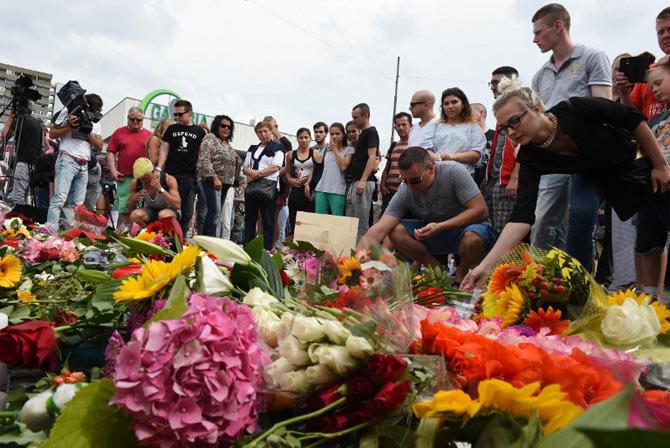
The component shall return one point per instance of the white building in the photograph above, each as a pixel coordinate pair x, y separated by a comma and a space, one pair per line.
154, 112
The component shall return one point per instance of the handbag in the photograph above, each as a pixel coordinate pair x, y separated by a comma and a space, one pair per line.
261, 190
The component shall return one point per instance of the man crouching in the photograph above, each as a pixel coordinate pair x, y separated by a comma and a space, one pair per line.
452, 214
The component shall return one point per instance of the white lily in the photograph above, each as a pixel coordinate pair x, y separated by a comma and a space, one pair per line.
214, 281
4, 320
224, 250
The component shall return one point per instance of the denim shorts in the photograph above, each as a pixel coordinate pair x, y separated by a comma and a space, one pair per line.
447, 242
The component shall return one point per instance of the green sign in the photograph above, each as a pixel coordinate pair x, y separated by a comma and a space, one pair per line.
157, 112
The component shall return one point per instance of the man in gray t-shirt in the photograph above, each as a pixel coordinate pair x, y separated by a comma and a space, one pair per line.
450, 209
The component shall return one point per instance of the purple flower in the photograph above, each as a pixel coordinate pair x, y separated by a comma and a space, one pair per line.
114, 346
192, 381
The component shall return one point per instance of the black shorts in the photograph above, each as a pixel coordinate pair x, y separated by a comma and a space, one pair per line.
653, 224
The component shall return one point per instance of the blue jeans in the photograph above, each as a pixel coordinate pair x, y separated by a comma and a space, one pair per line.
213, 200
447, 242
551, 212
69, 187
584, 203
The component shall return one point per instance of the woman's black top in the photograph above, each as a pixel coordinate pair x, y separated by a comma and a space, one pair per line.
602, 131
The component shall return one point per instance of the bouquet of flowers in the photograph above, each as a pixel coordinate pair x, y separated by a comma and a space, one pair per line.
193, 380
542, 289
53, 248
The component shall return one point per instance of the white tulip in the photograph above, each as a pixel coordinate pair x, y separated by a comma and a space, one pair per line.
4, 320
274, 371
336, 358
294, 381
34, 412
630, 324
307, 329
294, 351
335, 331
358, 347
319, 374
224, 250
215, 281
258, 297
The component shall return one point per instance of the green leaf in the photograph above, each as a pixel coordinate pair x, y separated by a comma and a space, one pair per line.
105, 291
274, 278
625, 438
93, 276
19, 314
20, 435
609, 414
145, 247
255, 248
176, 304
303, 246
279, 262
88, 421
199, 275
531, 433
246, 277
101, 304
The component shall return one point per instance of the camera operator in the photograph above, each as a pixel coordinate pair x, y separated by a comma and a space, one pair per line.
27, 133
71, 174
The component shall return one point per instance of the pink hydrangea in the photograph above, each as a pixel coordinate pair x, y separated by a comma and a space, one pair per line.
53, 248
192, 381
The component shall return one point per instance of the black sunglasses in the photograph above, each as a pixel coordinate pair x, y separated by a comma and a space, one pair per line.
179, 114
225, 126
513, 123
136, 120
411, 105
413, 180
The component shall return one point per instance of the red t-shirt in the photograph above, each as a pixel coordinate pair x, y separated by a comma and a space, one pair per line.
644, 100
130, 146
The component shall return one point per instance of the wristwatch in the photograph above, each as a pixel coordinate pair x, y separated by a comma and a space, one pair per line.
162, 190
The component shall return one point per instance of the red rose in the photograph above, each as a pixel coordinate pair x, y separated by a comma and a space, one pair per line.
385, 367
125, 271
330, 423
284, 278
64, 317
391, 396
360, 388
325, 397
28, 345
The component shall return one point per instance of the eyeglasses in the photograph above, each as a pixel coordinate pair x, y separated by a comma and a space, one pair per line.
179, 114
136, 120
494, 83
513, 123
225, 126
413, 180
411, 105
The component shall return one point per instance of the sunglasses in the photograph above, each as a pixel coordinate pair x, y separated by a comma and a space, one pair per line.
413, 180
411, 105
513, 123
495, 82
136, 120
179, 114
225, 126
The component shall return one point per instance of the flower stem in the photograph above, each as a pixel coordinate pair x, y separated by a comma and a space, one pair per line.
325, 436
298, 419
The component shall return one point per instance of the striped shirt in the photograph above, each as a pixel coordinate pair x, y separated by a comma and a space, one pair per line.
392, 157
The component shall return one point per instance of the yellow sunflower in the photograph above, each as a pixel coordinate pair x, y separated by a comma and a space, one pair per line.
554, 410
156, 275
662, 312
10, 271
510, 305
26, 296
146, 236
345, 267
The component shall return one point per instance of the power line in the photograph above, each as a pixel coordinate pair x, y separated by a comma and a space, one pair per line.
317, 38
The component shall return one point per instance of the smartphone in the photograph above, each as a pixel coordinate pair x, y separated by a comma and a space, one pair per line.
635, 68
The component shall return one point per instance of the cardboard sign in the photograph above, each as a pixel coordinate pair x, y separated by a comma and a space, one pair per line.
336, 234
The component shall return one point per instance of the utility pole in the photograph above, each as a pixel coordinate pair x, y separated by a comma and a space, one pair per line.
395, 97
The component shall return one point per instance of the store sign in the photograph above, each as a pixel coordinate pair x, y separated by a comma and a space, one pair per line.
157, 112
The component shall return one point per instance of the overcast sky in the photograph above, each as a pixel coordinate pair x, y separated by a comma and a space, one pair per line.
300, 60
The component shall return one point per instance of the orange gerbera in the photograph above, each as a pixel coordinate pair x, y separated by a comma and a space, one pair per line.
345, 267
503, 276
548, 318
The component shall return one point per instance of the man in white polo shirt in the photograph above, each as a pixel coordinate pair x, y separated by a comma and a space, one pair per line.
421, 106
71, 174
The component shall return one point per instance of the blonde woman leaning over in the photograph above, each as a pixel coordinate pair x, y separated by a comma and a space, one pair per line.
154, 142
588, 135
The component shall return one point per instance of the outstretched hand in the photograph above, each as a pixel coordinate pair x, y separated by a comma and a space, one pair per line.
471, 279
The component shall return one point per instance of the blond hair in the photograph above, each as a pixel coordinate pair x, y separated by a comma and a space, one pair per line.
276, 135
513, 88
662, 64
162, 126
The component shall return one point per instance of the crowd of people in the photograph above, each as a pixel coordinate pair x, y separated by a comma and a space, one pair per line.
582, 141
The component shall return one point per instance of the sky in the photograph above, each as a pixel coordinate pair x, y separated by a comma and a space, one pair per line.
301, 61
